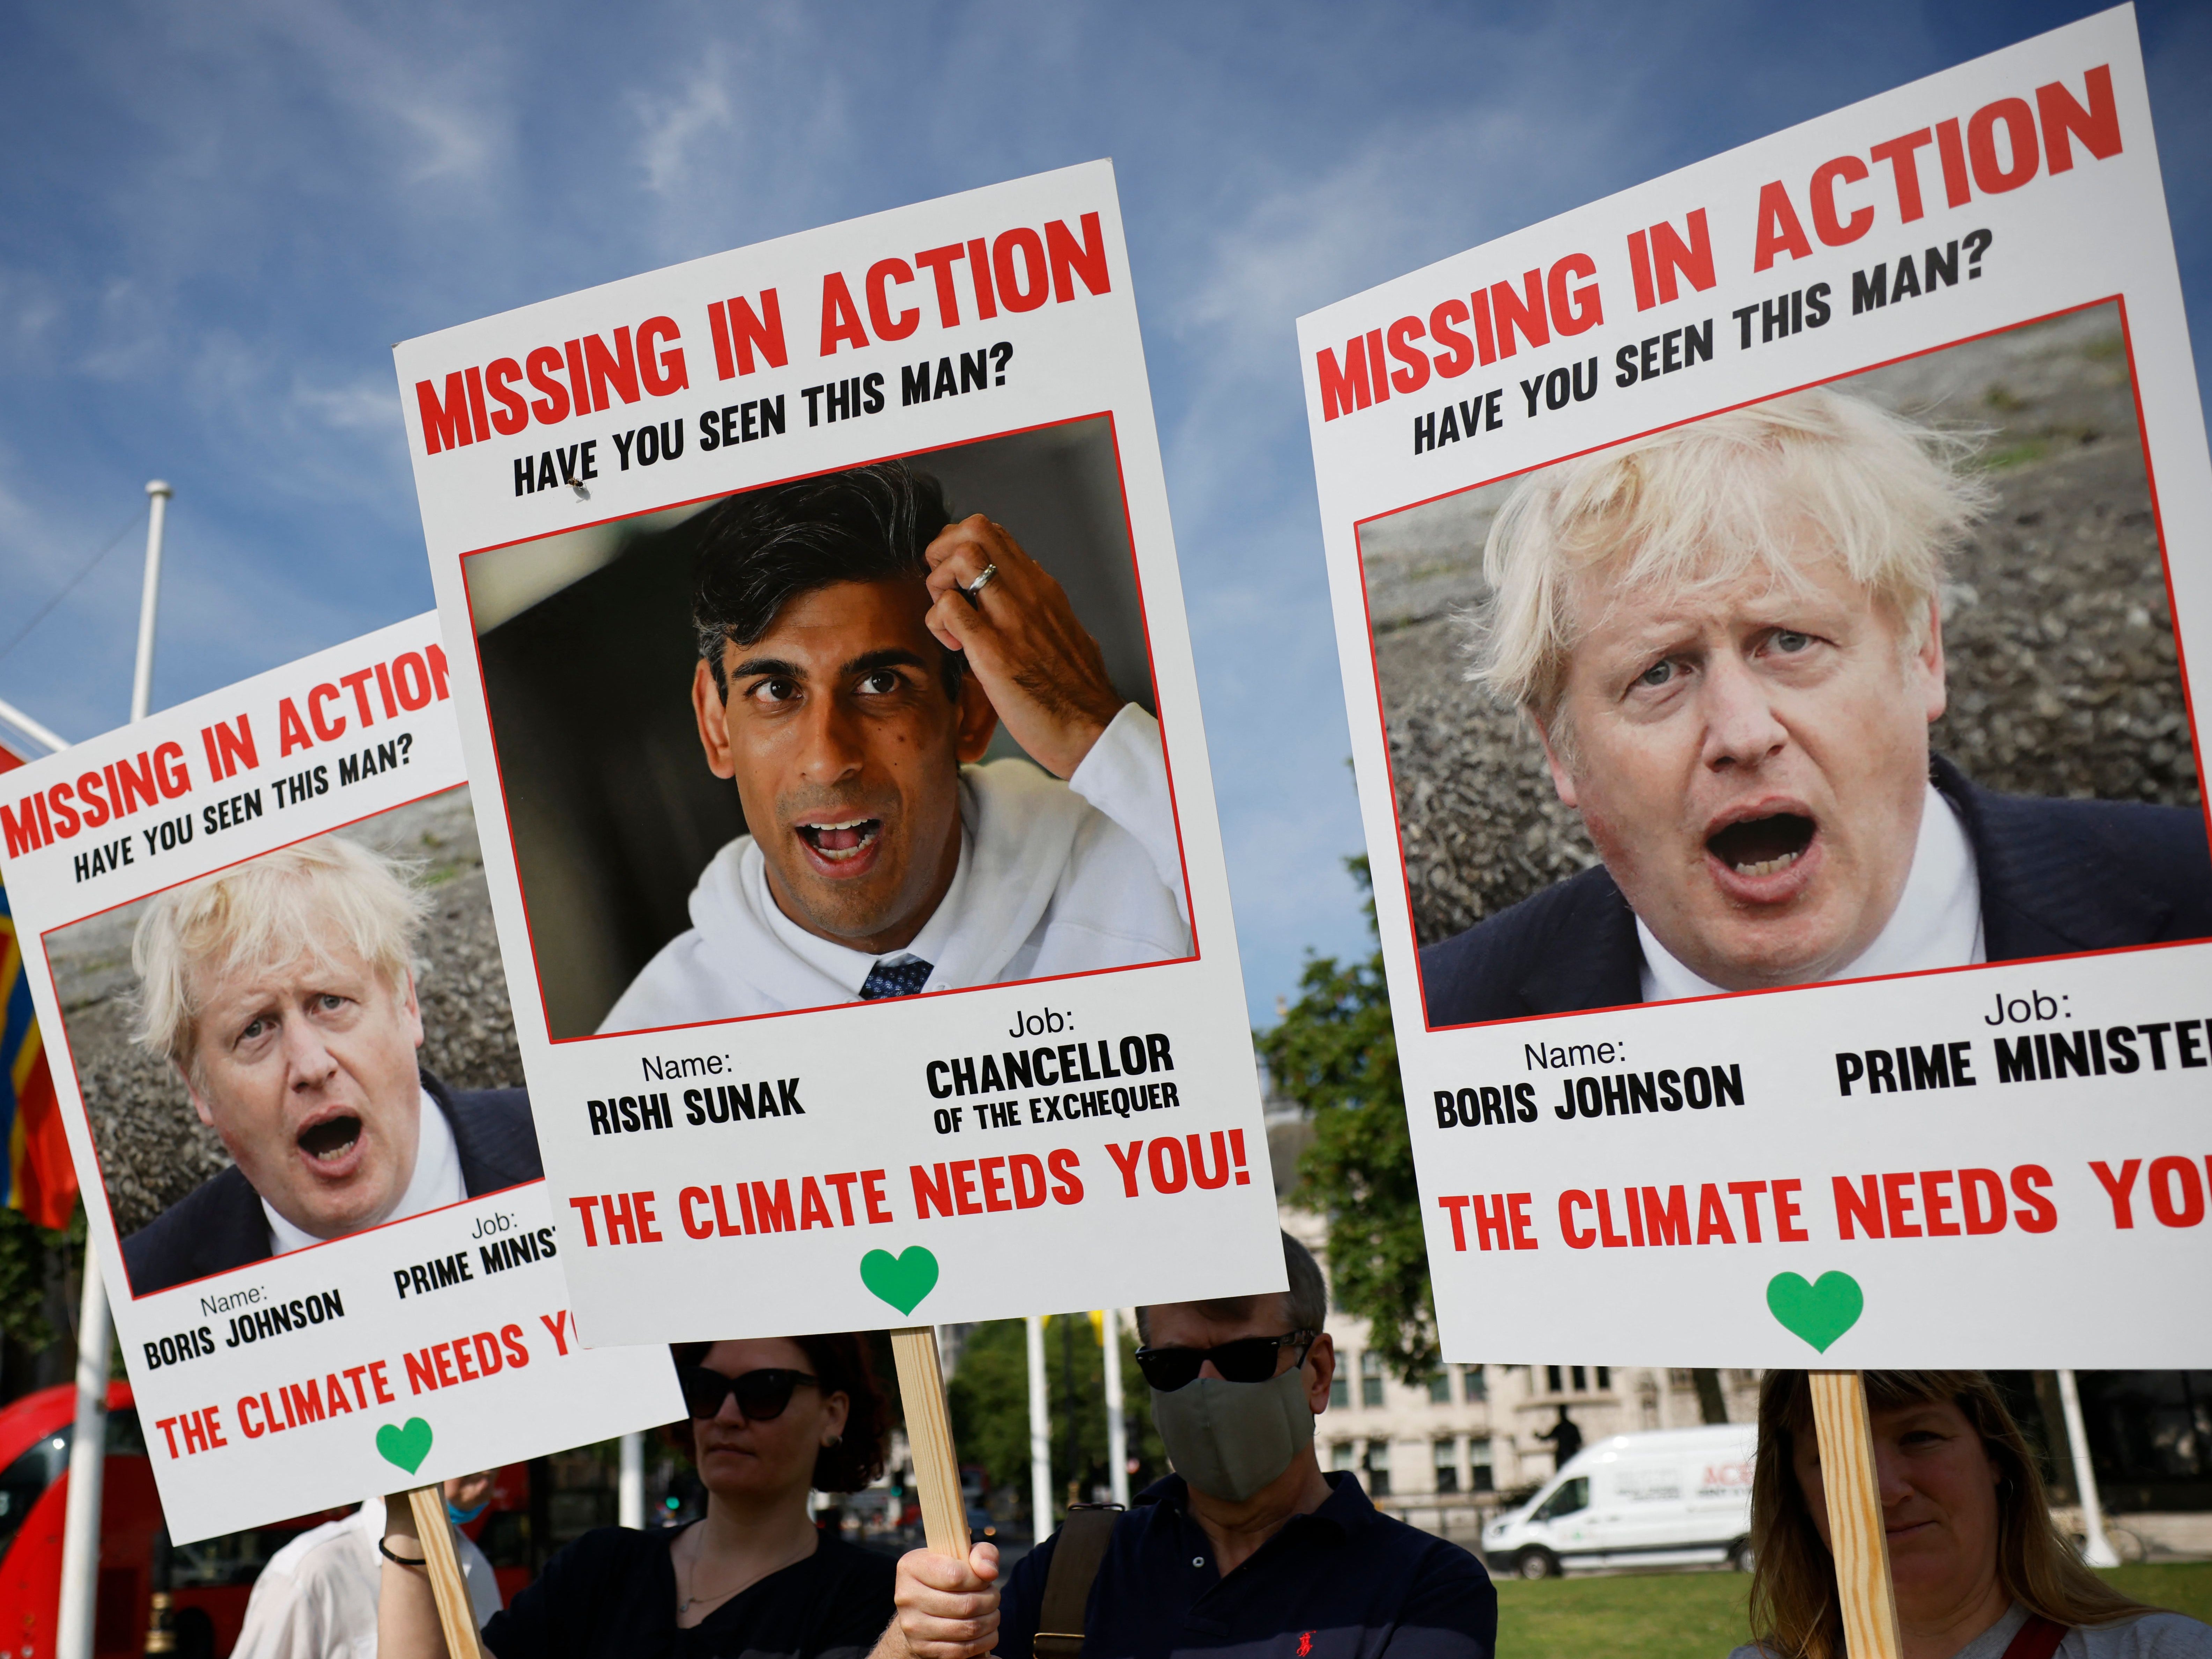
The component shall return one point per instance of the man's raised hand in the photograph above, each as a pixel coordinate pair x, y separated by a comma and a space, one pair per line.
1044, 672
947, 1609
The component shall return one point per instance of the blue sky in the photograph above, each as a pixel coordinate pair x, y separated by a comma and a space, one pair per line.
215, 220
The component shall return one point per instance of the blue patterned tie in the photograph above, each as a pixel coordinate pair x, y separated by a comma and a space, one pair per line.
895, 979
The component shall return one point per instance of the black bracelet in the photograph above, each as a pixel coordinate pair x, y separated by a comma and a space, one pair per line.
385, 1550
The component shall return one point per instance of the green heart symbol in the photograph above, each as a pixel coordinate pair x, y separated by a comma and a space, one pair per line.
406, 1447
1818, 1312
901, 1280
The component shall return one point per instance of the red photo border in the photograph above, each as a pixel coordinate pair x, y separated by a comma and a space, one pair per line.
1136, 572
85, 1108
2166, 564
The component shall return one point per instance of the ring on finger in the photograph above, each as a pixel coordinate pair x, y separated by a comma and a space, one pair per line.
974, 588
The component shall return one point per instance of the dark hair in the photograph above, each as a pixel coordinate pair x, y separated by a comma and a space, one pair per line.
1306, 1302
840, 1362
1795, 1610
760, 551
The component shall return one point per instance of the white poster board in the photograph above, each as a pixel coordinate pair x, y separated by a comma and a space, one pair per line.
1066, 1113
389, 1355
1963, 1121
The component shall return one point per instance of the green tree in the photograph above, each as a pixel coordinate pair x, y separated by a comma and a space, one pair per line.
1334, 1054
989, 1398
29, 1255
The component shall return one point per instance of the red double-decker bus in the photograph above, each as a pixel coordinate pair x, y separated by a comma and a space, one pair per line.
211, 1580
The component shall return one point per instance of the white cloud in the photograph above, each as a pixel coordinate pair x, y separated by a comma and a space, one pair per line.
673, 127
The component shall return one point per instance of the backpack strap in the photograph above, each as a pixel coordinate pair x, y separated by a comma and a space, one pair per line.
2038, 1638
1076, 1555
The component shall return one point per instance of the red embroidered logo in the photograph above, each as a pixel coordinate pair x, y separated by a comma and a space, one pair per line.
1305, 1643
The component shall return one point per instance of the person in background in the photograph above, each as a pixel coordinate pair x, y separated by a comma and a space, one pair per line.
1250, 1547
317, 1597
1979, 1570
770, 1420
1566, 1438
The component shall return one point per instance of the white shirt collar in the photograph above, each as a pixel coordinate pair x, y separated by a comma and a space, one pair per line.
436, 1181
850, 968
1937, 922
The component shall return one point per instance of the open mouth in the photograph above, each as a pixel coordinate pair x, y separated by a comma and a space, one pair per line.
842, 843
329, 1140
1763, 846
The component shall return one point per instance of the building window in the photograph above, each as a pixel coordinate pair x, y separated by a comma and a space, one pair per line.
1553, 1383
1605, 1376
1447, 1466
1339, 1455
1339, 1386
1581, 1378
1478, 1467
1440, 1388
1377, 1466
1371, 1379
1477, 1387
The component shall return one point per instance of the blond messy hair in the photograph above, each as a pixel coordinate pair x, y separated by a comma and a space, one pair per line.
1795, 1608
315, 899
1705, 504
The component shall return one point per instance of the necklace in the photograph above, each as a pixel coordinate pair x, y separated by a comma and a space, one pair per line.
691, 1602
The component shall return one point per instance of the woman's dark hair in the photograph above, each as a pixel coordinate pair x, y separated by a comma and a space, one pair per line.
1795, 1609
760, 551
839, 1360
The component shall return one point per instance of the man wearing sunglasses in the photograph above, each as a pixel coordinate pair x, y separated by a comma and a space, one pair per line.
1250, 1542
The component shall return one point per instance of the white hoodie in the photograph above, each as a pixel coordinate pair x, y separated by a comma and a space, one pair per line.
1053, 878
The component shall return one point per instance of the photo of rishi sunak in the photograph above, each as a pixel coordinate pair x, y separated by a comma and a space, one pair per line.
1728, 639
858, 648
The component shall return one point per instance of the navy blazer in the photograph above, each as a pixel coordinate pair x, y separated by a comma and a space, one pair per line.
2057, 877
220, 1225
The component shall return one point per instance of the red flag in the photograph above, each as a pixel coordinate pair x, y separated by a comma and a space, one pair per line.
40, 1179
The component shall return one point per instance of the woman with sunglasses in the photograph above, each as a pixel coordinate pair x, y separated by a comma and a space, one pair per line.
770, 1420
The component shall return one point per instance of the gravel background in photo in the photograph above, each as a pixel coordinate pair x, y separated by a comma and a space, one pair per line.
152, 1150
2062, 671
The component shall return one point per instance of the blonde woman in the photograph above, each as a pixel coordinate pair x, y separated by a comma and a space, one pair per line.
1979, 1570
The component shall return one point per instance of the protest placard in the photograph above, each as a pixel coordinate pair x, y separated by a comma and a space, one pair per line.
1763, 598
260, 952
871, 938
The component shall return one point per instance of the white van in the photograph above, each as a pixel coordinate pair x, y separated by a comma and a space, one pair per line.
1668, 1498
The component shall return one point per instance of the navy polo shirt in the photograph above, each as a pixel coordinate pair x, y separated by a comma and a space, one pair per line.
1343, 1582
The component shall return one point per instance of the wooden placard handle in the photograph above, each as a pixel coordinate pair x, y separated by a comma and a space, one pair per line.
929, 1432
1856, 1534
456, 1615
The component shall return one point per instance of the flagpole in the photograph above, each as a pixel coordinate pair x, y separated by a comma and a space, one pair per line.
31, 728
88, 1469
629, 1484
1040, 1435
1117, 1426
149, 599
2096, 1548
